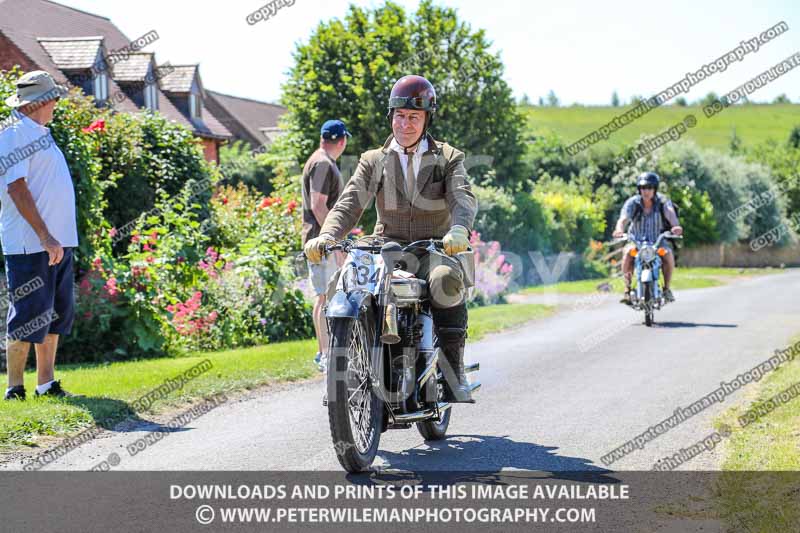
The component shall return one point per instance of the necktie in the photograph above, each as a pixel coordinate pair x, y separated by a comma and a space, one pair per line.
411, 180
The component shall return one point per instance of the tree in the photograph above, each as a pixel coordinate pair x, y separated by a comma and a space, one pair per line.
525, 100
636, 99
794, 137
614, 99
552, 99
681, 101
347, 69
708, 99
782, 99
541, 102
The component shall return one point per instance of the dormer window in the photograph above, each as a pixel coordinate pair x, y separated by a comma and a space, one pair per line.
101, 87
195, 108
151, 97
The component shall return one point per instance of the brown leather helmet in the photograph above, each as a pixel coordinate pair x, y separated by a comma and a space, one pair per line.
413, 92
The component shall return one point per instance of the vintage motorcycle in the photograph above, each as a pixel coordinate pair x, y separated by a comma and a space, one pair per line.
648, 295
384, 369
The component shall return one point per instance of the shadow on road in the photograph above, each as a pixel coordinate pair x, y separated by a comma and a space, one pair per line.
117, 415
480, 458
692, 325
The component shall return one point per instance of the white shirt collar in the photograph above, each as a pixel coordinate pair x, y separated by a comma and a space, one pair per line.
421, 149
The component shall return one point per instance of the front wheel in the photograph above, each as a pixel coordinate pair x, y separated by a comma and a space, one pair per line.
355, 410
648, 303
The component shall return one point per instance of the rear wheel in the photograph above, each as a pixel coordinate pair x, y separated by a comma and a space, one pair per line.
355, 411
648, 303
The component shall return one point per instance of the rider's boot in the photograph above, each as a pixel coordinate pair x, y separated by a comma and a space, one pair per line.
668, 296
626, 297
456, 385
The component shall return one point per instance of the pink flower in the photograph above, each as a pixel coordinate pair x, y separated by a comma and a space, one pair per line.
112, 232
150, 259
97, 125
135, 239
111, 286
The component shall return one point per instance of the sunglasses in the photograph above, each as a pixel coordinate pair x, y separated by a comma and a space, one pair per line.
647, 187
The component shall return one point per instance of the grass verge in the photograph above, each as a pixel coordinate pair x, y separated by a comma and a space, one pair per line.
109, 389
684, 278
759, 488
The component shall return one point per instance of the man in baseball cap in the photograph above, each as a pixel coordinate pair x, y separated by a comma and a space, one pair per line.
333, 130
322, 185
38, 232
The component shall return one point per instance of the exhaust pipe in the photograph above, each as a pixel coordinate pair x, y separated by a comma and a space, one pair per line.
390, 333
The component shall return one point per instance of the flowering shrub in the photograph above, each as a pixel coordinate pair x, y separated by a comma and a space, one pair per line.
492, 272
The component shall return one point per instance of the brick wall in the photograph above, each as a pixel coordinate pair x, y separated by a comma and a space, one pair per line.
211, 149
10, 55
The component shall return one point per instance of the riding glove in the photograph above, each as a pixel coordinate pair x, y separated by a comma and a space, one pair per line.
456, 240
315, 248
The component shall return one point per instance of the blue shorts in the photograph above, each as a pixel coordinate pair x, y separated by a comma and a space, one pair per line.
40, 297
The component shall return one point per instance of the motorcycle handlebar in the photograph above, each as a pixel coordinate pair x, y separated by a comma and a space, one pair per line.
626, 237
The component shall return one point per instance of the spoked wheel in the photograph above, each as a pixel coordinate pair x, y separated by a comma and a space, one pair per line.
355, 411
431, 429
648, 303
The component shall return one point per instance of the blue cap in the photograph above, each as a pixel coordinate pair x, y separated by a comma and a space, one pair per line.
333, 129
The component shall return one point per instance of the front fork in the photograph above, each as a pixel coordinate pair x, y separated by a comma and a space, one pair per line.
655, 274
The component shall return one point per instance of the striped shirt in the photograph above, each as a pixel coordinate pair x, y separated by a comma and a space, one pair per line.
649, 225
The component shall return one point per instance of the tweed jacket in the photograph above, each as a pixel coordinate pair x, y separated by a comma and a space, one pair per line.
442, 197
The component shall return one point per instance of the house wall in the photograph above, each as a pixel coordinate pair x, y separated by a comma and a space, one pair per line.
211, 149
10, 55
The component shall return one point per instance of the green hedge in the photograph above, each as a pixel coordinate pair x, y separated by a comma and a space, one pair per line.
169, 260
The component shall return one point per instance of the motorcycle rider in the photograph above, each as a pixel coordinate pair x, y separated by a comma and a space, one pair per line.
421, 191
649, 213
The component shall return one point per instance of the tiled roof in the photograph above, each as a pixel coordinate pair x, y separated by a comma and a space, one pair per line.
73, 53
258, 119
23, 21
134, 68
180, 79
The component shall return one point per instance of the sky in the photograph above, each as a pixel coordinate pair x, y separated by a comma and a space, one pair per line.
581, 50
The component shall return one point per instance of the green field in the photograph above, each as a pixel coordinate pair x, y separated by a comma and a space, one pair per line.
109, 389
753, 123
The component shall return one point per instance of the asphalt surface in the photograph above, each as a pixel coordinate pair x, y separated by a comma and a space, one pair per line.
557, 394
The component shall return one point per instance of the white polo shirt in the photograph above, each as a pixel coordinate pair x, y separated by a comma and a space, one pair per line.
27, 150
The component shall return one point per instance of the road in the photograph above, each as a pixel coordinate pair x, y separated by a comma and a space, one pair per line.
557, 395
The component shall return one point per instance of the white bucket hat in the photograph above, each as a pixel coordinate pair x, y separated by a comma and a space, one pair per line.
36, 86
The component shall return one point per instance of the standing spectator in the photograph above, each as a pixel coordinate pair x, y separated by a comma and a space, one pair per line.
38, 234
322, 185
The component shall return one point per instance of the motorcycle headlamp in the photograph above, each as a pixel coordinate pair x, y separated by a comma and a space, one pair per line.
648, 253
